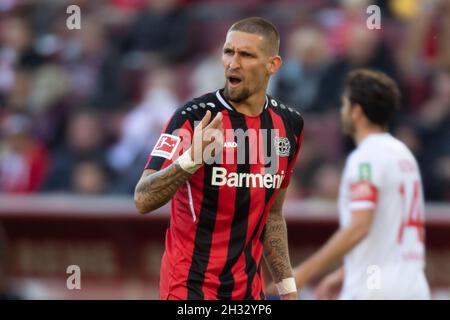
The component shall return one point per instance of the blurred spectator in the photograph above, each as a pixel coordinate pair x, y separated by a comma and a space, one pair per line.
89, 178
48, 101
121, 11
340, 22
84, 142
407, 133
142, 126
297, 83
160, 31
424, 46
17, 99
434, 125
326, 182
208, 75
309, 162
93, 68
17, 37
427, 38
364, 49
49, 86
47, 72
23, 159
16, 53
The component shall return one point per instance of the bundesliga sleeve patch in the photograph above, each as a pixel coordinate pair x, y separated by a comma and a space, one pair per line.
363, 191
166, 146
365, 172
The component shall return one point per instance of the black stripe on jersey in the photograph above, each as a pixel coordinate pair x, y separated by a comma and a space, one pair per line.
260, 275
239, 225
266, 123
263, 234
250, 270
203, 237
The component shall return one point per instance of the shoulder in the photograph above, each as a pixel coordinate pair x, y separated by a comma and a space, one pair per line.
292, 118
371, 156
354, 158
195, 109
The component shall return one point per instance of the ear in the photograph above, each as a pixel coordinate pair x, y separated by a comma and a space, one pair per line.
357, 111
274, 64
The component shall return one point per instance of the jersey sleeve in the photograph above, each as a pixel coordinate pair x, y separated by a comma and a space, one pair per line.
365, 178
293, 160
175, 139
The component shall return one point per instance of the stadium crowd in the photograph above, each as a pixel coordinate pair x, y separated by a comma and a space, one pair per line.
80, 110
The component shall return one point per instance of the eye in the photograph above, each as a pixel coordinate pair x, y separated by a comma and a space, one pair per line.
246, 54
227, 51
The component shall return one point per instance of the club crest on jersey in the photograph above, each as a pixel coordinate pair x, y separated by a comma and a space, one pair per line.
166, 146
282, 146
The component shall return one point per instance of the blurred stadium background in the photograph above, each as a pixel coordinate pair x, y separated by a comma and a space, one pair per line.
81, 109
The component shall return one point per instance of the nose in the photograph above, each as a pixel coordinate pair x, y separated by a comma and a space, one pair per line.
234, 62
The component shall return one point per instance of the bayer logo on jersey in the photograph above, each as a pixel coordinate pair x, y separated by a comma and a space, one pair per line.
282, 146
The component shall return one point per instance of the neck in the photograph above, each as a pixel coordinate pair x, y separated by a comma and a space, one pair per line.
364, 131
253, 105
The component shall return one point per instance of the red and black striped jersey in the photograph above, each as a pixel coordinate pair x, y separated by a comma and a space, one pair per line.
214, 242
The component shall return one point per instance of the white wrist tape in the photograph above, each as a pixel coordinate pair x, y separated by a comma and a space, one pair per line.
286, 286
186, 163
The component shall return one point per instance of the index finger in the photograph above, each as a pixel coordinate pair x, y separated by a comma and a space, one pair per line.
215, 123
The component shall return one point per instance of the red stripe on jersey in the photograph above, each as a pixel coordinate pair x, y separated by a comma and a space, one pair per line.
256, 167
225, 209
240, 276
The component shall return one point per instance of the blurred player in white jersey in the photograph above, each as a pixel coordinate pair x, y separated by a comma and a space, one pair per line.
381, 205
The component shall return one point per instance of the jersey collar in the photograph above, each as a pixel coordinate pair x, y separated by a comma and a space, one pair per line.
228, 105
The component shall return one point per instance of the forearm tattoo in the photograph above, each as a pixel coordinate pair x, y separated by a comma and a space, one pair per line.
155, 189
276, 250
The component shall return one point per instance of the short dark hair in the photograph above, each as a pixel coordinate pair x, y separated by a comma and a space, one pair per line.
260, 26
376, 93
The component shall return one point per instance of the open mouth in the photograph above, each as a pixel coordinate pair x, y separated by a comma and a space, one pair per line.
234, 81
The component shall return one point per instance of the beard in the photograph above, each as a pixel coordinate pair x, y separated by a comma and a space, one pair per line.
236, 96
348, 127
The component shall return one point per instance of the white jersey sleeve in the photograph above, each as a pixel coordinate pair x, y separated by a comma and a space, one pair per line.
365, 179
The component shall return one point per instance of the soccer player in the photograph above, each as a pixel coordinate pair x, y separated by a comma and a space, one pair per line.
226, 210
381, 205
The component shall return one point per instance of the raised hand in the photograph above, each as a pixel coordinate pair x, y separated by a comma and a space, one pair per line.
207, 139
